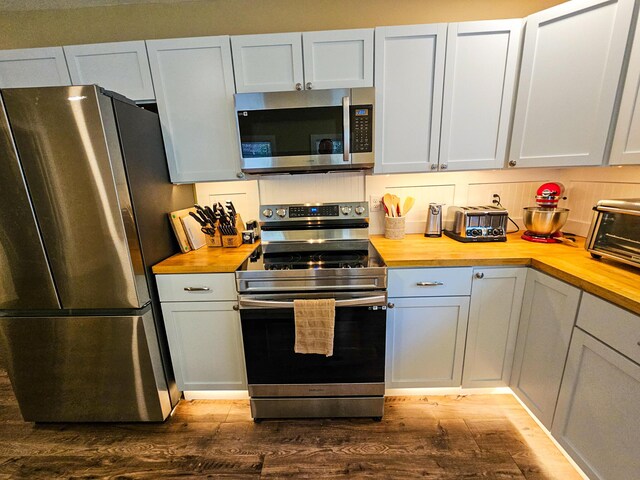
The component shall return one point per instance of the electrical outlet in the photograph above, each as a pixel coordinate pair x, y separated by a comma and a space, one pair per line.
375, 203
495, 198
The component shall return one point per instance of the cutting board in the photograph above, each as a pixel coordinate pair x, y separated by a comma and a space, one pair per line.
194, 234
178, 227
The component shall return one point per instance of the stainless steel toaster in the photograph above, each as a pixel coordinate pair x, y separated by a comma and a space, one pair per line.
485, 223
615, 231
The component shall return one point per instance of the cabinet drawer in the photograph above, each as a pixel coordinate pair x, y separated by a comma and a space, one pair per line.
429, 282
612, 325
197, 287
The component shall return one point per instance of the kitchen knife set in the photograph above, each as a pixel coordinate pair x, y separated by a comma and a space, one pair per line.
218, 219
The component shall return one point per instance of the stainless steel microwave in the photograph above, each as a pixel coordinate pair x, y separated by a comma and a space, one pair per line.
615, 231
307, 131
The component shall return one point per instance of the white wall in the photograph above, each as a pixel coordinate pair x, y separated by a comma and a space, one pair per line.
517, 187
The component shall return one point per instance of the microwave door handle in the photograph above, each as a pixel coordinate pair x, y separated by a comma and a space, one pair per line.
346, 131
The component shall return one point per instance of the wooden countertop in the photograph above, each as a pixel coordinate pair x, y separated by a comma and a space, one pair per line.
613, 281
207, 260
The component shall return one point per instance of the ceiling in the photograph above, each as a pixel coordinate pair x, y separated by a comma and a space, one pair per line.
18, 5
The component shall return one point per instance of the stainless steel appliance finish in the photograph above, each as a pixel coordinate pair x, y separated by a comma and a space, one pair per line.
544, 221
301, 260
114, 355
486, 223
615, 231
296, 131
434, 221
85, 219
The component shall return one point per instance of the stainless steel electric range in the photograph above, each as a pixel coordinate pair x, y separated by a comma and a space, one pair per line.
314, 251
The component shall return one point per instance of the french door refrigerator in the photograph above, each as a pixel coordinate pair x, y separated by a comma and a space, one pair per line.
84, 196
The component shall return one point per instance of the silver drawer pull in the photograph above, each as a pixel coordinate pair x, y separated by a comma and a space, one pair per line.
429, 284
196, 289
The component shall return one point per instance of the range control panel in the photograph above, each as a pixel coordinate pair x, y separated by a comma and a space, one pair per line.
315, 211
361, 128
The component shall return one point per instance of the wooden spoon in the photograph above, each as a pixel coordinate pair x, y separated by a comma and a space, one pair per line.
408, 204
395, 201
388, 202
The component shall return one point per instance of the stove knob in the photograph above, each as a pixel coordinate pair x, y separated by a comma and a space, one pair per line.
346, 210
281, 212
267, 212
360, 210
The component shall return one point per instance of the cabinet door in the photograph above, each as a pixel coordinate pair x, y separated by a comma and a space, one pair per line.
338, 58
193, 80
548, 314
571, 63
33, 67
425, 341
598, 416
496, 300
626, 142
268, 63
122, 67
205, 341
478, 97
409, 73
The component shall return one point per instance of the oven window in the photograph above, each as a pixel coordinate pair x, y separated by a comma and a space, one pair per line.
291, 131
358, 348
619, 234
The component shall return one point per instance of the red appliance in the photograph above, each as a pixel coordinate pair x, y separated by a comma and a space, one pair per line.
547, 197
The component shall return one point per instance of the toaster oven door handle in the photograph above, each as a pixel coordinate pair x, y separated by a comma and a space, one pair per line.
346, 130
429, 284
617, 210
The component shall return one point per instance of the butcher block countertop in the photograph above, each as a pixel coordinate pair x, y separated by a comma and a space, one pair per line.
613, 281
207, 260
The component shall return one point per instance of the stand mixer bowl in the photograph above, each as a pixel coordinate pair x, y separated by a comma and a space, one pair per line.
543, 221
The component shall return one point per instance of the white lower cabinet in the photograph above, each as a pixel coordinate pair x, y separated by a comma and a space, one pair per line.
496, 300
548, 314
203, 331
597, 419
425, 341
598, 415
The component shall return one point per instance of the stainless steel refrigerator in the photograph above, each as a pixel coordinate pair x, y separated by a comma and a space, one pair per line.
84, 196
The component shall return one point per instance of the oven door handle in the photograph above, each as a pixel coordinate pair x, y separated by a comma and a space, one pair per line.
377, 300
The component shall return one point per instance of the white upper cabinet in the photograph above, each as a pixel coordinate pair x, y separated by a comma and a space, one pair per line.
571, 64
481, 66
33, 67
274, 62
626, 143
268, 63
122, 67
409, 74
193, 81
338, 59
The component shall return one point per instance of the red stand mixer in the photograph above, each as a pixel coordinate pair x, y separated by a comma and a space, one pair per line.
543, 223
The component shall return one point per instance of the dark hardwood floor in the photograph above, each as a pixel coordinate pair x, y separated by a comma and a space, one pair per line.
476, 436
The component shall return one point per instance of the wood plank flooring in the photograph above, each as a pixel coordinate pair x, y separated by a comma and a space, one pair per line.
476, 436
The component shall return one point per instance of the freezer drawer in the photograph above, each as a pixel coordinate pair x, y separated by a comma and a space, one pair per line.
85, 369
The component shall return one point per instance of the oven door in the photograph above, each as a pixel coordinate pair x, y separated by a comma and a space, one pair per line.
275, 370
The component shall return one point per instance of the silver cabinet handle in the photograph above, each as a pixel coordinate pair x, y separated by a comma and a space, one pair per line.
240, 174
512, 163
236, 307
391, 305
196, 289
479, 275
429, 284
346, 129
444, 166
309, 86
434, 166
298, 86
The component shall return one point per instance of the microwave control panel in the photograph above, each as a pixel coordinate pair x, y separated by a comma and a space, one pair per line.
361, 128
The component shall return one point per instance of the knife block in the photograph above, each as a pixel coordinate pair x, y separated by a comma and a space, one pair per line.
234, 240
215, 241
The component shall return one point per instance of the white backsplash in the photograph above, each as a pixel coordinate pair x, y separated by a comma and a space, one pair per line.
516, 187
